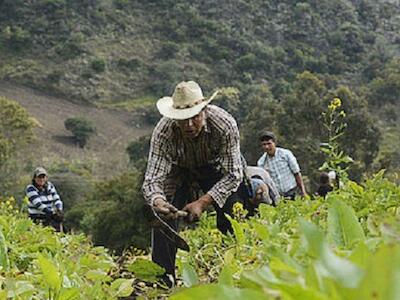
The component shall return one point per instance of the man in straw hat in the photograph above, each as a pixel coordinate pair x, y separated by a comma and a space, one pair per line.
194, 143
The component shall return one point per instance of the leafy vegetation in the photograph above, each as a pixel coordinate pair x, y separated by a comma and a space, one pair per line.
306, 249
37, 263
81, 128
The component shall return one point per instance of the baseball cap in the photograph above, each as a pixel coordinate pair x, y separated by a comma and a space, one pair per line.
39, 171
267, 135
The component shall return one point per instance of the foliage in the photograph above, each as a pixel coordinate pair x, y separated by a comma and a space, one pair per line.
110, 201
16, 135
303, 249
15, 128
99, 65
138, 151
336, 160
81, 128
36, 263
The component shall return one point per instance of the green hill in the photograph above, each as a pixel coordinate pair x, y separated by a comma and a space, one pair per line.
115, 50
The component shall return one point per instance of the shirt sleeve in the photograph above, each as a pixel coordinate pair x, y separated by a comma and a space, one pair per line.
273, 191
292, 162
231, 166
34, 198
261, 161
56, 198
158, 167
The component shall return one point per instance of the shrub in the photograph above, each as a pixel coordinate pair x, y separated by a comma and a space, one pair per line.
81, 128
98, 65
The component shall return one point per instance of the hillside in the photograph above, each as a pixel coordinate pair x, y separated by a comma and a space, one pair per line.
116, 50
115, 128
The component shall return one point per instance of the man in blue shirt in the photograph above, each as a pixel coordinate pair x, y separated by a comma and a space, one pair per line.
282, 166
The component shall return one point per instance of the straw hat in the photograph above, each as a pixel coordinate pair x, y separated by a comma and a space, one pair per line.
186, 102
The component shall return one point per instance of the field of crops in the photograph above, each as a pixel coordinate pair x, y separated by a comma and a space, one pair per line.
346, 246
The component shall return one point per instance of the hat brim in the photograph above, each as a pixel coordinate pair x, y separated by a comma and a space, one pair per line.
166, 108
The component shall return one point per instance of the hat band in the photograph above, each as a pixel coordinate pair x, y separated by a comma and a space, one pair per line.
188, 105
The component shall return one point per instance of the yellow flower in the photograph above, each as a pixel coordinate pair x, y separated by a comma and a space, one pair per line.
8, 202
337, 102
342, 114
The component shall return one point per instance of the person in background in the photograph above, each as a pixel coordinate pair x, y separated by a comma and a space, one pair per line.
193, 143
262, 189
282, 165
324, 185
45, 206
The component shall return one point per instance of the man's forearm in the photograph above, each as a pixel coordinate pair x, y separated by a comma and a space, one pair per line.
300, 183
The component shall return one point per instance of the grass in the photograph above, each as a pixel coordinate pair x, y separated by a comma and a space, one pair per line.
130, 104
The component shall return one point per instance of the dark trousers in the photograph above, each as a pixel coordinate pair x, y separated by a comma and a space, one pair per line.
163, 251
46, 221
290, 194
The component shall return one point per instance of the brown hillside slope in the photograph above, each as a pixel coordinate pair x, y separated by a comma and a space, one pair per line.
115, 129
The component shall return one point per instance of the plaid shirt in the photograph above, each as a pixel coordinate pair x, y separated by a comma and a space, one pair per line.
217, 144
282, 167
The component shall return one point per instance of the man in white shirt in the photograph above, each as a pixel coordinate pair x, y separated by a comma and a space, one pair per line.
282, 165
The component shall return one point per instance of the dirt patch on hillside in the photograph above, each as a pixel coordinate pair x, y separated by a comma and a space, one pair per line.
115, 129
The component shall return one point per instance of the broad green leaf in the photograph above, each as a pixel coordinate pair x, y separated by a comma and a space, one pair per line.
278, 265
312, 279
343, 226
199, 292
229, 255
97, 275
218, 292
300, 293
382, 276
122, 287
226, 276
146, 270
261, 230
4, 261
237, 230
50, 272
287, 259
189, 275
70, 294
16, 288
258, 278
361, 255
327, 263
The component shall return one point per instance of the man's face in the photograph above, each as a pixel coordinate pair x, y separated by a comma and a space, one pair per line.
40, 180
269, 146
262, 195
192, 127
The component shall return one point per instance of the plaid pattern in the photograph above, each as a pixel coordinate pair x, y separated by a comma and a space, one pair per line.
282, 167
39, 200
217, 144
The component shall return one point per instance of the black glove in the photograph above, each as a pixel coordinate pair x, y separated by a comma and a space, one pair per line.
58, 216
48, 212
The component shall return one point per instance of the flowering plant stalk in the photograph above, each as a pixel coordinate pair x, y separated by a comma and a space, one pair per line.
336, 160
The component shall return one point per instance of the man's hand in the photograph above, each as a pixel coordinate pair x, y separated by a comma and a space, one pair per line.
196, 208
58, 216
163, 208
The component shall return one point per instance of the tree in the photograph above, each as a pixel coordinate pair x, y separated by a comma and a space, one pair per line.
16, 129
16, 133
112, 213
259, 116
81, 128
